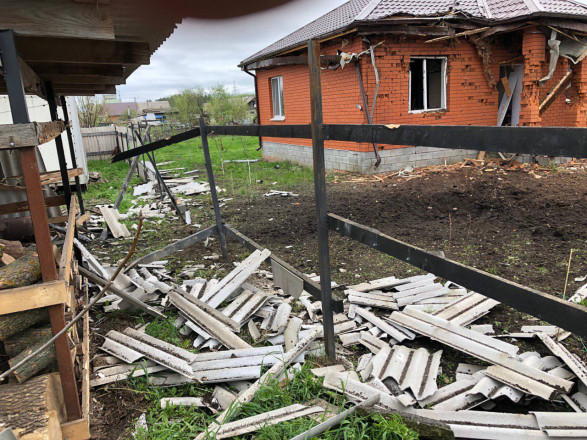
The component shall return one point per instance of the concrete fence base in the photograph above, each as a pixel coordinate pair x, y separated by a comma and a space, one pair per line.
391, 159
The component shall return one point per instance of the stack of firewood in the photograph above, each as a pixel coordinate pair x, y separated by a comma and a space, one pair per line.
24, 332
34, 409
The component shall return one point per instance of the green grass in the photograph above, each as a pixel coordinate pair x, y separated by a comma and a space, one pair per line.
238, 179
303, 387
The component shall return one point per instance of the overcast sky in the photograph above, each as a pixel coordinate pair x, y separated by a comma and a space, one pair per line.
203, 53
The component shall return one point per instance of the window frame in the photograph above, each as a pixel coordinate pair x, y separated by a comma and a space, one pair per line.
279, 81
443, 96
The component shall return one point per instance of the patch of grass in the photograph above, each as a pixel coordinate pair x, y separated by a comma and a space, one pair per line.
165, 330
302, 387
238, 179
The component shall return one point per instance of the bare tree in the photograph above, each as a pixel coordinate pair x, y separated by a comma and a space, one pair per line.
91, 111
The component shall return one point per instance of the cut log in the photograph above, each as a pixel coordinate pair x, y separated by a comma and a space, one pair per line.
7, 259
44, 359
14, 323
23, 340
34, 410
13, 248
23, 272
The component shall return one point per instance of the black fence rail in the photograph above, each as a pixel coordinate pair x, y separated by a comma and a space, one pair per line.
538, 141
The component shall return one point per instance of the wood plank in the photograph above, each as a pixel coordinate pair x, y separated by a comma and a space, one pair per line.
12, 208
33, 297
558, 88
460, 34
55, 176
81, 219
76, 430
58, 219
57, 80
30, 134
290, 60
86, 363
72, 50
67, 250
57, 18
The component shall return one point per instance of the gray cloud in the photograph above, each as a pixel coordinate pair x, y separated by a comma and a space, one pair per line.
203, 53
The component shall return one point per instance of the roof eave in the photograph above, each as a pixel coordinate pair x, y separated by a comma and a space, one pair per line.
293, 47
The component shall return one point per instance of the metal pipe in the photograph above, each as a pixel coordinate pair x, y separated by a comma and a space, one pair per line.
212, 183
257, 104
78, 187
52, 101
366, 108
320, 193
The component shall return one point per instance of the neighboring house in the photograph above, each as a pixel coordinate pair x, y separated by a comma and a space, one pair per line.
471, 62
161, 110
251, 101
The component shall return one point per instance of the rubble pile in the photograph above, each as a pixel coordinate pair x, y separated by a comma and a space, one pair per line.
243, 323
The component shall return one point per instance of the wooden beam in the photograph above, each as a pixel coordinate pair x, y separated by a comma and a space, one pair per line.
33, 297
289, 61
412, 30
73, 80
49, 68
15, 207
71, 50
54, 176
57, 18
460, 34
30, 80
558, 88
29, 135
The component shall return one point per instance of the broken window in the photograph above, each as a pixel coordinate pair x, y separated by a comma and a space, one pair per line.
427, 84
277, 97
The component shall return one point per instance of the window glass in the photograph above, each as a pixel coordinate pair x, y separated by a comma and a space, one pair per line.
434, 83
277, 96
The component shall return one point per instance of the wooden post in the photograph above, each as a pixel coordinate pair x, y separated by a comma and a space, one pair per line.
320, 194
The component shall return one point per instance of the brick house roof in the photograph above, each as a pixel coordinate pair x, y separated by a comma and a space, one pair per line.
369, 11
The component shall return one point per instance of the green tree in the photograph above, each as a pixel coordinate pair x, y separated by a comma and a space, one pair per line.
190, 104
226, 108
91, 111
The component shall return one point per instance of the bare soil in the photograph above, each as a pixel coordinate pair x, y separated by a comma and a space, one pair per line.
507, 222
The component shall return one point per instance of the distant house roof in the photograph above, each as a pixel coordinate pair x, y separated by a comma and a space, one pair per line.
123, 108
357, 12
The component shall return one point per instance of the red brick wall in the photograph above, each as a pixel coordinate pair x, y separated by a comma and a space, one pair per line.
470, 99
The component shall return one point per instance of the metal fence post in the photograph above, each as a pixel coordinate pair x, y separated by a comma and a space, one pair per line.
52, 101
78, 187
320, 194
212, 183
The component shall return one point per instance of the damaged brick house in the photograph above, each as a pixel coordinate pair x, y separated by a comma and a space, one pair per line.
468, 62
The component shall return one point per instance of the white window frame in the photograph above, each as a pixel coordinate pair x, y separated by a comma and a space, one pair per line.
280, 106
425, 85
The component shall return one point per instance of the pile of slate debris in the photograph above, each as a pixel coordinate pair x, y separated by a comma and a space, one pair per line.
383, 316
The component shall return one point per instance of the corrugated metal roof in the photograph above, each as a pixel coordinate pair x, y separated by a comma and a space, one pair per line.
365, 11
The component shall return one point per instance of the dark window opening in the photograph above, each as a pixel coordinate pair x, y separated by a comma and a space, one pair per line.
427, 84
